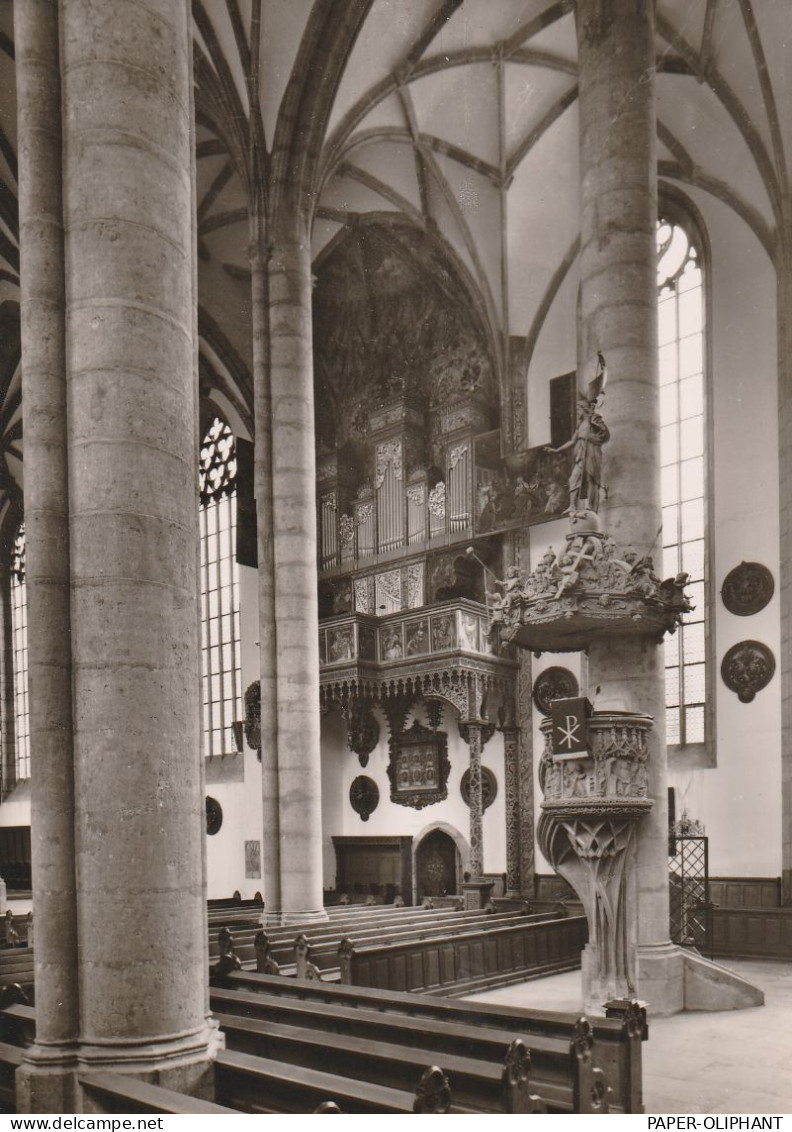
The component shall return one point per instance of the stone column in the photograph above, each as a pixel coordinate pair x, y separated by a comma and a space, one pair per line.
784, 319
132, 404
618, 313
45, 1083
268, 635
476, 802
511, 761
294, 523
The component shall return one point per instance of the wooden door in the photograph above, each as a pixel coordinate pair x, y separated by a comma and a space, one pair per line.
436, 865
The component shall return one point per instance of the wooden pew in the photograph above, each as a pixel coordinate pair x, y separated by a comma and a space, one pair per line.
16, 966
468, 961
260, 1085
481, 1086
18, 1025
322, 949
118, 1093
10, 1060
563, 1072
616, 1039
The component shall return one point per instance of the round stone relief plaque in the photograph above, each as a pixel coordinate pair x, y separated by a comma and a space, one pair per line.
364, 796
553, 684
489, 787
747, 668
747, 588
214, 816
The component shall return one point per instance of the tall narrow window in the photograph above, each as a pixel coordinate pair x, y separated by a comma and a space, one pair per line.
682, 418
220, 590
19, 643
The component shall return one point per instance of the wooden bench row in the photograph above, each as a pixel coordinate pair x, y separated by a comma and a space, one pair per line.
375, 1014
247, 1080
386, 1040
322, 948
511, 949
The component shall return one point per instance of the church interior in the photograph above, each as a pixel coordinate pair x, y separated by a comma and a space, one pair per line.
395, 548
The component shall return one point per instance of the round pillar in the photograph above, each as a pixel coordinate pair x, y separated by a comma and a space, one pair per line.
44, 1082
618, 315
294, 524
131, 368
268, 632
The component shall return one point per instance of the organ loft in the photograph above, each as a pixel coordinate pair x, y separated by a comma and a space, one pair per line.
395, 550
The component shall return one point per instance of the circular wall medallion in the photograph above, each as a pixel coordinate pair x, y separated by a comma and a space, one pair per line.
747, 588
553, 684
747, 668
214, 816
364, 796
489, 787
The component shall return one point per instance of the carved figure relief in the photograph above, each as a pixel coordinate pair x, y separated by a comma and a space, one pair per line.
417, 635
489, 787
340, 644
364, 796
747, 589
366, 638
747, 668
585, 588
391, 645
443, 633
554, 683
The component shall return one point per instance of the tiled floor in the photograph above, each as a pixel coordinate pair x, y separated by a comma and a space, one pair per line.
731, 1062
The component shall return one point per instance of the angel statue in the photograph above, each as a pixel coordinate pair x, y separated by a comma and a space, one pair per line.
591, 433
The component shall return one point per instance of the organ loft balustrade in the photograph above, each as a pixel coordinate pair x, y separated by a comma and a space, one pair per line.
449, 636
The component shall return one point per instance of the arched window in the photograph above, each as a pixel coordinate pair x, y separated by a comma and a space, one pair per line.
219, 590
19, 654
681, 310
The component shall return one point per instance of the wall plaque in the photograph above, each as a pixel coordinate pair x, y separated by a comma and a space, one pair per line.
553, 684
489, 787
418, 769
252, 860
214, 816
747, 668
747, 588
364, 796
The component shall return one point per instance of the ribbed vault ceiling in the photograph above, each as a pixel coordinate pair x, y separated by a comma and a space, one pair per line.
459, 114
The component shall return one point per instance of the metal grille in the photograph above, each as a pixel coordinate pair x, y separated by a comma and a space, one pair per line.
691, 919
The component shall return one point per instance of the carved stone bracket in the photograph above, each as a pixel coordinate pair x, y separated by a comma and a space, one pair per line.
486, 732
590, 589
592, 802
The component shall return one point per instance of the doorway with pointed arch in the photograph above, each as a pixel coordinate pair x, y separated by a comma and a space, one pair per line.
440, 861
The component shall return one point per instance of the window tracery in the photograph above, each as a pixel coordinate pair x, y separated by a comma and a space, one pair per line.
682, 361
20, 656
220, 627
